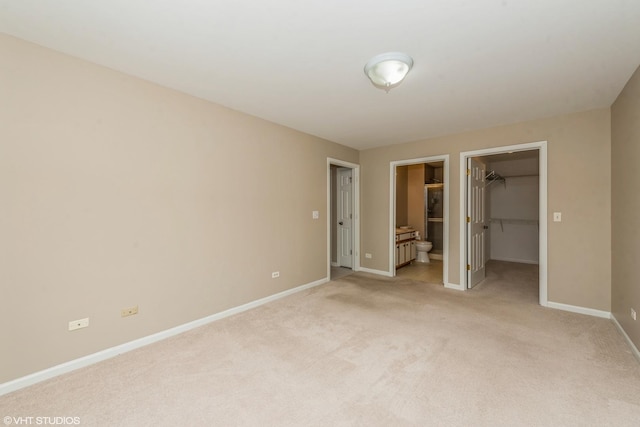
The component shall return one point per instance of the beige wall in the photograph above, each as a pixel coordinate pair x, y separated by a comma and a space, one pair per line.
625, 193
579, 175
410, 196
402, 195
415, 197
117, 192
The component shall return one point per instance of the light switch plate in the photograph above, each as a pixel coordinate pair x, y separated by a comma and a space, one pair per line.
557, 217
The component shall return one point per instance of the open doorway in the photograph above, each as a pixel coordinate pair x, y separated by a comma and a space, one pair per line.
503, 216
343, 219
419, 206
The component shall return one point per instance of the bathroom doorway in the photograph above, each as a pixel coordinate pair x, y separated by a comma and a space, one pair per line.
503, 199
419, 206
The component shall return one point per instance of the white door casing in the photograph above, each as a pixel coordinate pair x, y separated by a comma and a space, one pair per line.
541, 146
476, 222
331, 223
345, 218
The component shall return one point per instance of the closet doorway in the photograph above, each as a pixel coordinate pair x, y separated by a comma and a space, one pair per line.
504, 199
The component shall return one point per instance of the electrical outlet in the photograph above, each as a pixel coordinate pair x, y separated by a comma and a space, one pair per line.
367, 255
315, 214
129, 311
275, 274
633, 314
78, 324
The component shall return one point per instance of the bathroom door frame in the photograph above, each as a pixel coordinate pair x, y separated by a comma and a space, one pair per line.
355, 224
541, 146
445, 211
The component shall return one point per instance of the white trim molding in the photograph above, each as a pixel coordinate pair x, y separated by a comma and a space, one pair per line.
378, 272
578, 309
91, 359
634, 349
598, 313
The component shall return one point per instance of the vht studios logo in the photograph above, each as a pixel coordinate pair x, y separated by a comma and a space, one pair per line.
41, 421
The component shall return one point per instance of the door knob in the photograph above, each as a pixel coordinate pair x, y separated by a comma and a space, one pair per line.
341, 223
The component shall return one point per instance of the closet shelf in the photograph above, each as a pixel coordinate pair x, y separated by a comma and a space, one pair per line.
521, 221
492, 177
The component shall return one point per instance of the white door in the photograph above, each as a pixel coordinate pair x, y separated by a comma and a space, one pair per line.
345, 218
476, 222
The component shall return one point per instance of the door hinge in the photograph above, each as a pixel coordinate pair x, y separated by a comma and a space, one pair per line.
350, 216
468, 219
468, 172
350, 180
468, 267
350, 252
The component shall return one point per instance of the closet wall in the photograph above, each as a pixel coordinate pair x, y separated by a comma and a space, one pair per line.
402, 177
415, 197
513, 208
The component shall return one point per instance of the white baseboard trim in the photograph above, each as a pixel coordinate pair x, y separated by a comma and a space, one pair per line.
334, 264
454, 286
634, 349
108, 353
378, 272
580, 310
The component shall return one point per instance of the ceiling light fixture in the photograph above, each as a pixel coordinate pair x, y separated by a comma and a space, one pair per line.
387, 70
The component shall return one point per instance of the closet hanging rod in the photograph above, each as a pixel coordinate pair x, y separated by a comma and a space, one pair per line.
492, 177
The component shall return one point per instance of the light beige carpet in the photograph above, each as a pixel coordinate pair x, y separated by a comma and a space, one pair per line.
366, 351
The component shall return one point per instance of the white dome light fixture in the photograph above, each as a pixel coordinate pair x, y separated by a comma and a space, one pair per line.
387, 70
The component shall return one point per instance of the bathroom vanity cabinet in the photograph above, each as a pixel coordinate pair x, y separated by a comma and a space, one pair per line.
405, 247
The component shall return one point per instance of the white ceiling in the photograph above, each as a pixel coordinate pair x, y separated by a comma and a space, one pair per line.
478, 63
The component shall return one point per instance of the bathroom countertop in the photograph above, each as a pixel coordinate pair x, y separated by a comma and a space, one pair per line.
404, 230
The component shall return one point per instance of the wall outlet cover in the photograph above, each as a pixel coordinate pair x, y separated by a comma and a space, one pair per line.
78, 324
129, 311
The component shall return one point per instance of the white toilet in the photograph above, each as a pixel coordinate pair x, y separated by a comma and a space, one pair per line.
422, 248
